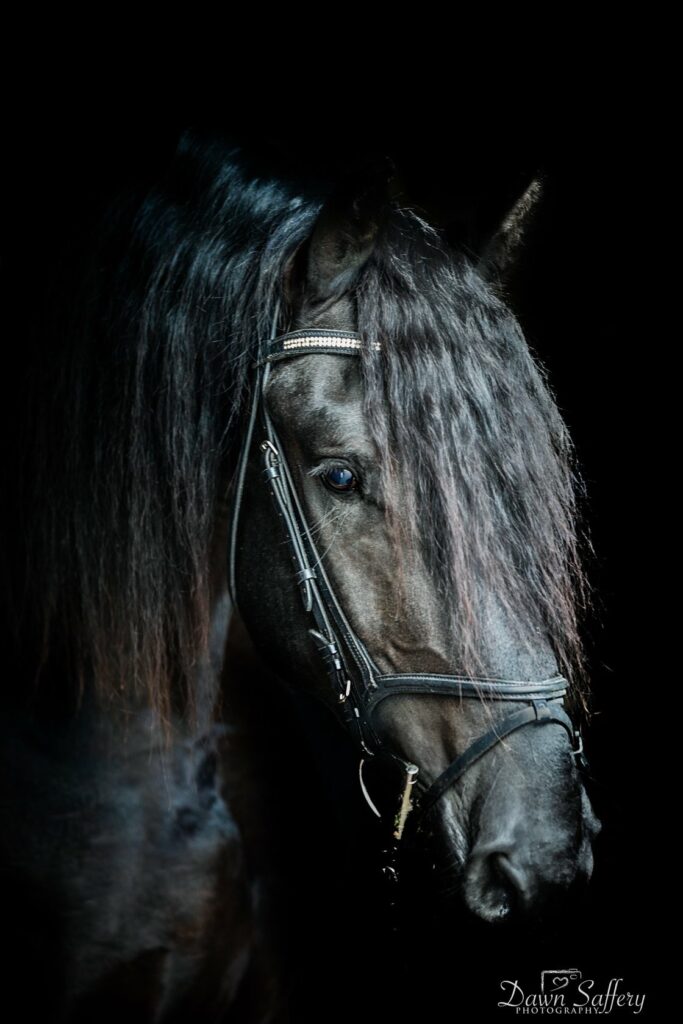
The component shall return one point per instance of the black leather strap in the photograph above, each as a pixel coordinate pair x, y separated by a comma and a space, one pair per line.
467, 686
334, 637
540, 713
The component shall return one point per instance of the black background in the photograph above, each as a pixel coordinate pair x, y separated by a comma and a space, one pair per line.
579, 287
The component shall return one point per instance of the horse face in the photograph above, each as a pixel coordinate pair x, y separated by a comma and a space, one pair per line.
516, 830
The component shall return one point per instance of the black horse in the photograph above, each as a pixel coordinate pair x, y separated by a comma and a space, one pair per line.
427, 476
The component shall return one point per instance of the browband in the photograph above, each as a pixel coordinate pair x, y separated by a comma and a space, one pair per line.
312, 342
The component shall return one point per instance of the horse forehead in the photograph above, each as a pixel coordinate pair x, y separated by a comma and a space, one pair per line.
317, 389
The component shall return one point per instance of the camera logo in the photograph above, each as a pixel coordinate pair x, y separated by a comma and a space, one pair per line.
559, 981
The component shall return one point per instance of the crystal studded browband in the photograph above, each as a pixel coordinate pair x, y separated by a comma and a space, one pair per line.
312, 341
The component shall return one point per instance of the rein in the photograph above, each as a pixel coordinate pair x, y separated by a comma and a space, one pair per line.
356, 681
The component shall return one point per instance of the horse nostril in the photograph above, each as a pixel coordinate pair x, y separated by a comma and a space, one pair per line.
511, 877
495, 887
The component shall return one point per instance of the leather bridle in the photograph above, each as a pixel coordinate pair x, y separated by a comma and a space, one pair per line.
359, 685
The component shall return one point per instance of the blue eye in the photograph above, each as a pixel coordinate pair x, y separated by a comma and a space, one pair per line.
337, 478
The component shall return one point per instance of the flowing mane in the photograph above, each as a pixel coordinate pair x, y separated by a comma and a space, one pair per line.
130, 436
480, 454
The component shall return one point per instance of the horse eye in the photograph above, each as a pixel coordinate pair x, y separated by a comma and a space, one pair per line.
339, 479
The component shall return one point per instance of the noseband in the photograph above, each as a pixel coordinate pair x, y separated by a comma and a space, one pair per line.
359, 685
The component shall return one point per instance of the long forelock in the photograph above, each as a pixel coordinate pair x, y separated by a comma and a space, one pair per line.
474, 451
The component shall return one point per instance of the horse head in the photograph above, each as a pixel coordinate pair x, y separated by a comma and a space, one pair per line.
404, 541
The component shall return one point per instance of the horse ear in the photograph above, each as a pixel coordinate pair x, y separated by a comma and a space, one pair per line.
501, 251
327, 265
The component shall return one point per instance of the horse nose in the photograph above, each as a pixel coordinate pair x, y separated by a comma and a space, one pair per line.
496, 884
505, 882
